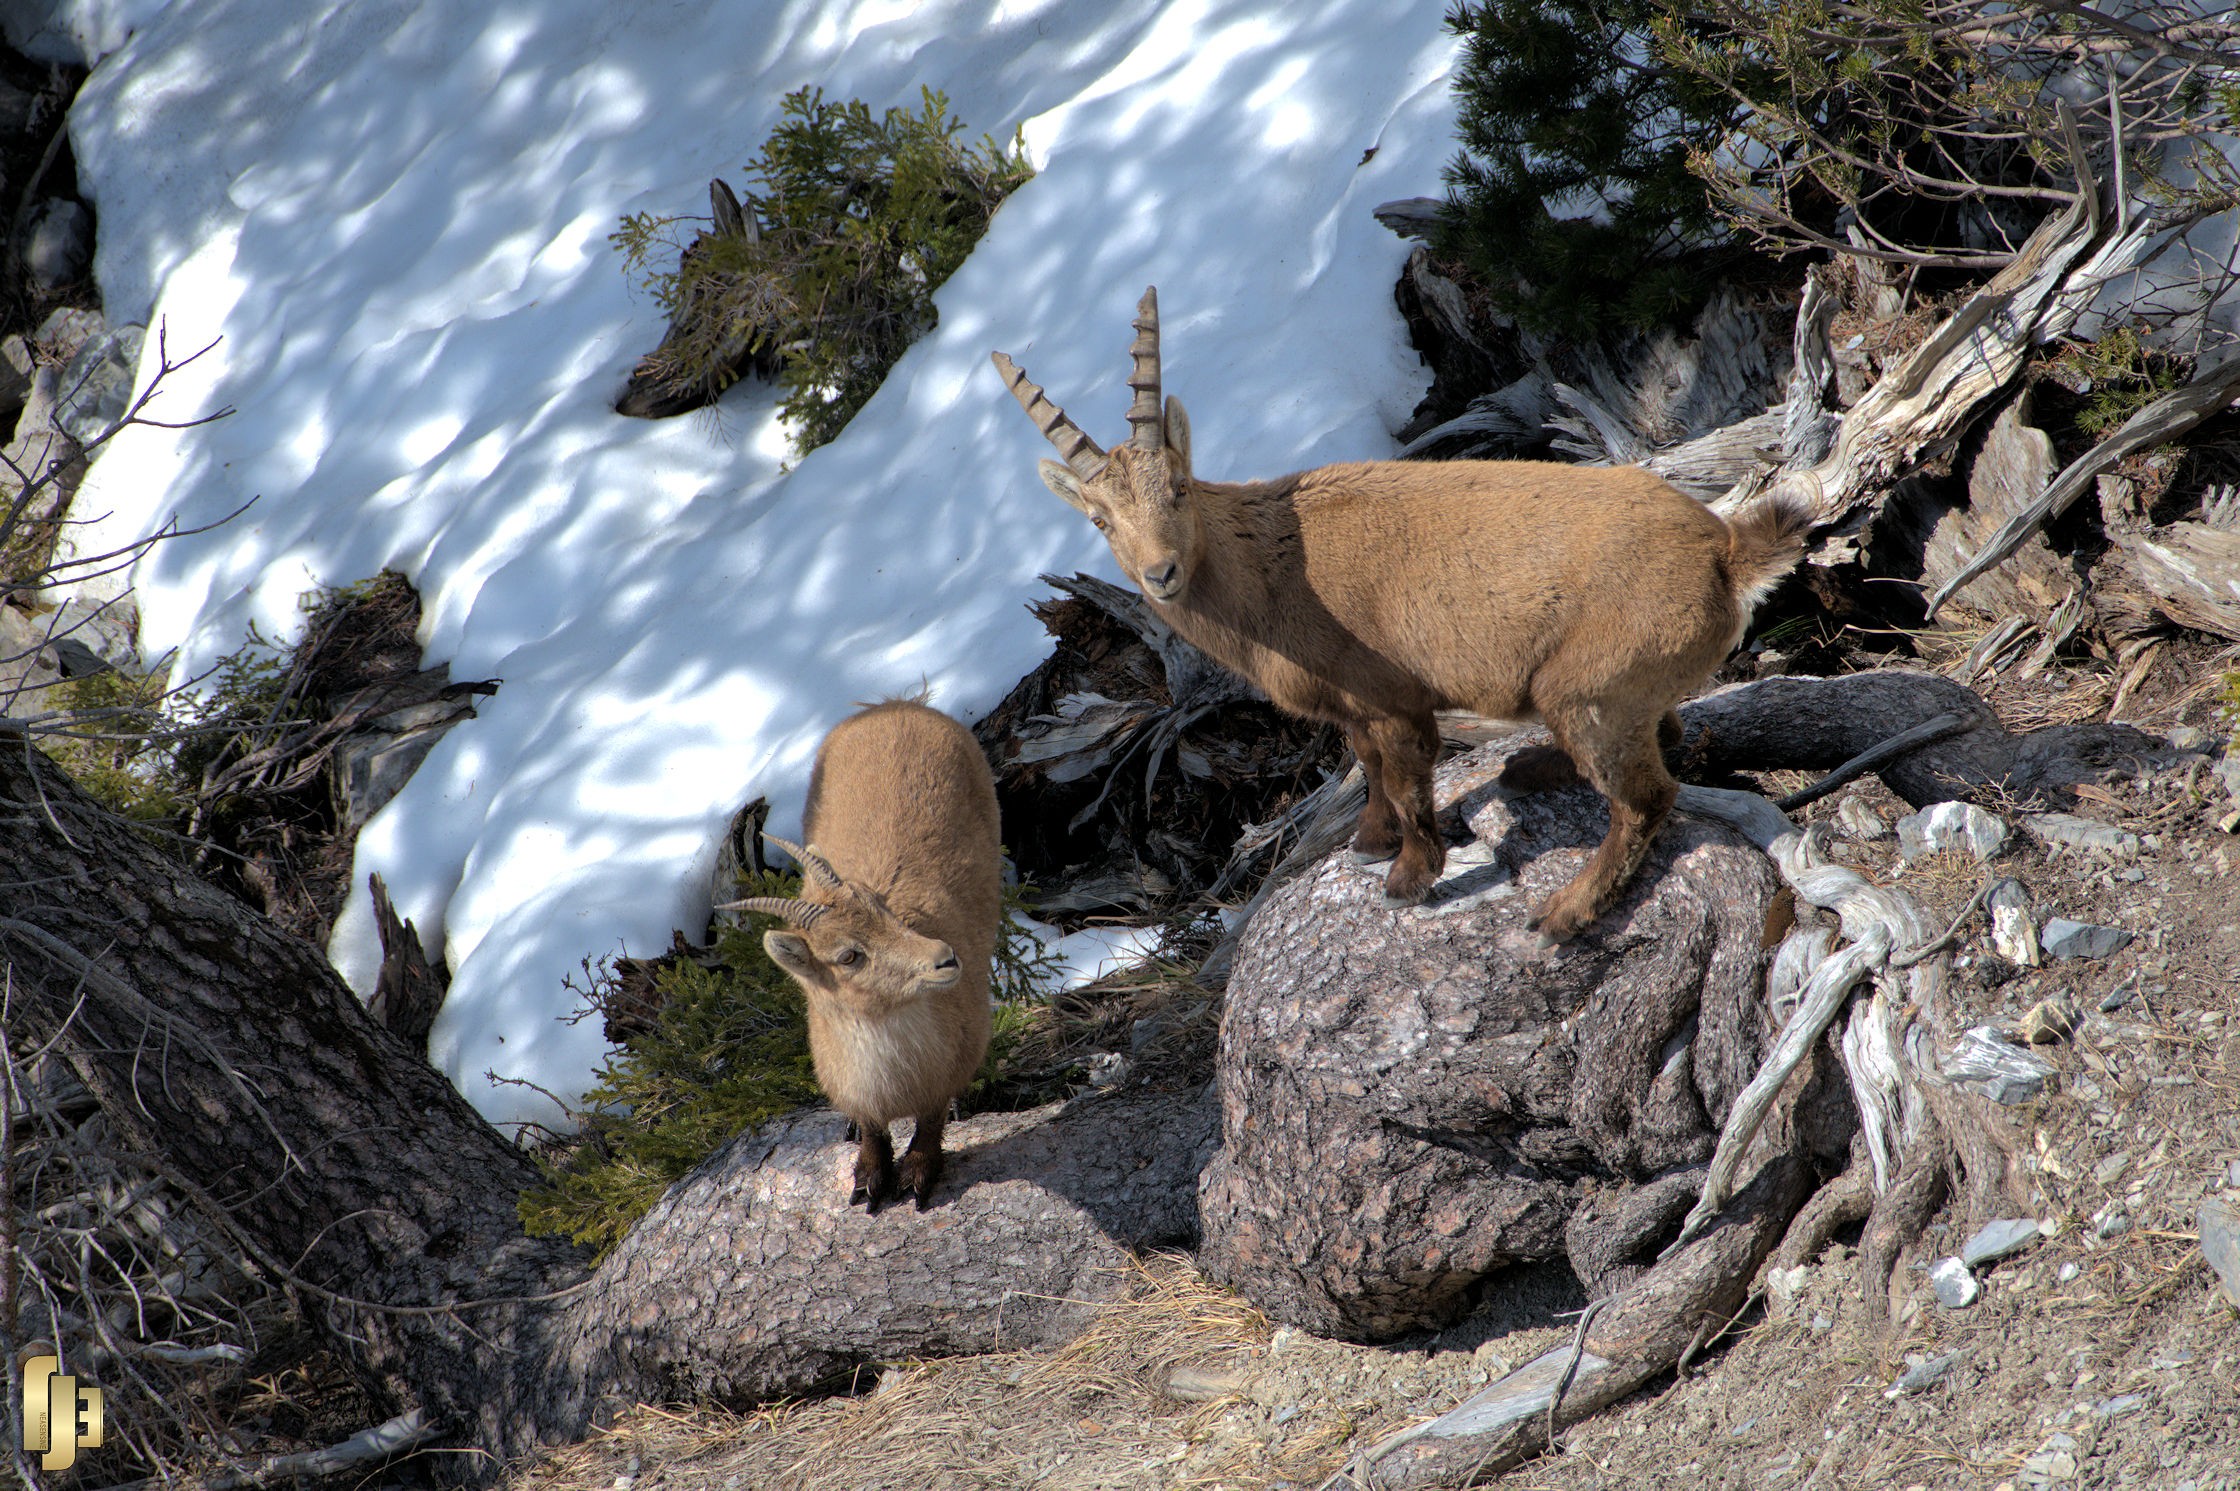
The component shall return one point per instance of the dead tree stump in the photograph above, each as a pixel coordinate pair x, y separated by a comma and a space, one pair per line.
1413, 1099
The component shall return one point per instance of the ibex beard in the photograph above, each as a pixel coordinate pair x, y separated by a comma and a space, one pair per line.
1588, 599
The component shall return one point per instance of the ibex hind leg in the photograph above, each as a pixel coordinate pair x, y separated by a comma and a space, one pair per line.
922, 1161
1376, 833
1408, 750
875, 1174
1629, 770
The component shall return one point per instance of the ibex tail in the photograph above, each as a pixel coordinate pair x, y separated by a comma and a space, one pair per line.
1765, 541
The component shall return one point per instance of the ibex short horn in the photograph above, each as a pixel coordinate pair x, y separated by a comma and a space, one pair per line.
1591, 599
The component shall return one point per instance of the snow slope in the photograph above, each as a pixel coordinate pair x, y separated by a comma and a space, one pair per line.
391, 216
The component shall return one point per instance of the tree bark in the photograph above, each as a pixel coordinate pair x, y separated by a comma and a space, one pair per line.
334, 1156
1411, 1101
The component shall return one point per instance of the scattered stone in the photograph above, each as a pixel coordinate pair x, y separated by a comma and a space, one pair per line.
2111, 1169
1783, 1285
1998, 1239
1951, 825
1956, 1288
2109, 1408
2064, 938
2055, 1460
2050, 1020
2189, 738
60, 247
2110, 1223
2066, 1274
94, 388
66, 329
2116, 998
2002, 1071
1923, 1372
2073, 832
2014, 927
1860, 821
2220, 1244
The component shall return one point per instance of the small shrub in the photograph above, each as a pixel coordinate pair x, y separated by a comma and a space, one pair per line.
2115, 376
861, 220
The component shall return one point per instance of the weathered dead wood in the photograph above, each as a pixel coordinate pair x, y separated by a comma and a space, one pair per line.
1923, 404
2010, 471
2190, 573
2169, 415
1819, 723
408, 990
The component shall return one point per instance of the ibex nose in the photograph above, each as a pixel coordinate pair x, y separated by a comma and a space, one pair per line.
1160, 578
947, 961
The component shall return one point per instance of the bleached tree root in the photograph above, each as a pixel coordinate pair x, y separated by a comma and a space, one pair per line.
1640, 1334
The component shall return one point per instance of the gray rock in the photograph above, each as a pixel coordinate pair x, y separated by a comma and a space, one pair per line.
1951, 825
2109, 1408
2072, 832
2050, 1020
66, 329
2002, 1071
1998, 1239
60, 246
2110, 1170
1924, 1373
2189, 738
2220, 1243
2064, 938
1956, 1288
94, 389
2112, 1222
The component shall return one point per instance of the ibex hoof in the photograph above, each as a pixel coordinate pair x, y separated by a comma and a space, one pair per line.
1391, 902
1559, 924
1373, 856
921, 1172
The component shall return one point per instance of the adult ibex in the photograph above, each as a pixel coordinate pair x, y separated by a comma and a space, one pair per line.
893, 935
1371, 594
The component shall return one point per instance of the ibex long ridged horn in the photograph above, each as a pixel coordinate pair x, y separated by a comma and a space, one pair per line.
1081, 453
802, 914
1144, 419
813, 865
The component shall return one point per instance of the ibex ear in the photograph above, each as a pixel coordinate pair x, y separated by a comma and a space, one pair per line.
1059, 478
1178, 432
790, 951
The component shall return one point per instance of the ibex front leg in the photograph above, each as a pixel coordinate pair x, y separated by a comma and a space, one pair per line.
875, 1173
922, 1161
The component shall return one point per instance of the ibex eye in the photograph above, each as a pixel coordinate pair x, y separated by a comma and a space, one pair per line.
1102, 525
848, 957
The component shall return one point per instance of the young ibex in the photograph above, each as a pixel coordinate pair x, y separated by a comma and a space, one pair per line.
893, 935
1592, 599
